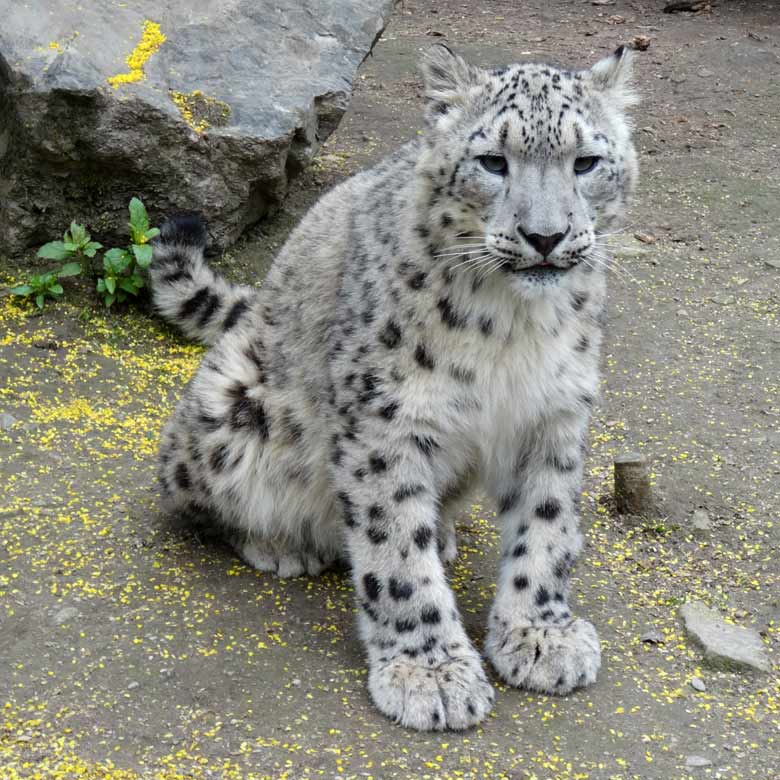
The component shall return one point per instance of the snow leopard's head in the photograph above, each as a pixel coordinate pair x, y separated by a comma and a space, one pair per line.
531, 162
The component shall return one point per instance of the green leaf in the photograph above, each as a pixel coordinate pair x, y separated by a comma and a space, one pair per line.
128, 285
21, 289
111, 284
139, 220
116, 261
101, 285
152, 233
91, 248
109, 299
39, 300
143, 255
55, 289
54, 250
44, 280
70, 247
78, 234
69, 269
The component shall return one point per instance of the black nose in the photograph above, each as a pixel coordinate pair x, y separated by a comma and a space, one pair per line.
543, 244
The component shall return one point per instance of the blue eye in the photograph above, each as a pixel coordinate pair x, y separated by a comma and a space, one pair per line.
585, 164
494, 163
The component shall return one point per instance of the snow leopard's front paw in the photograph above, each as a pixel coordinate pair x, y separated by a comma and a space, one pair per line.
452, 694
549, 659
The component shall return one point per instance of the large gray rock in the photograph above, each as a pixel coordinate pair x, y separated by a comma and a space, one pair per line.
217, 117
724, 644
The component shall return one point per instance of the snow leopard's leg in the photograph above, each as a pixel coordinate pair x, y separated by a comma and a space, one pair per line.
186, 291
423, 670
533, 640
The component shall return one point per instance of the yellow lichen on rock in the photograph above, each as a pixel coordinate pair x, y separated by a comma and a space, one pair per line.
151, 40
200, 111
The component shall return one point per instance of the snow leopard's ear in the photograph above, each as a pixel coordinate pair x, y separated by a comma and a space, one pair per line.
613, 75
448, 78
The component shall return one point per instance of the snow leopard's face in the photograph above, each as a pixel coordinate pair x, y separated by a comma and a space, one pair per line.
538, 161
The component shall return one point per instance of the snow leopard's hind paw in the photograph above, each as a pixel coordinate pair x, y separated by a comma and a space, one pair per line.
549, 659
277, 558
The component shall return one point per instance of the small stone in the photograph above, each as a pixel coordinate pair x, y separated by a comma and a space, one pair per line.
697, 761
652, 637
698, 684
700, 520
725, 645
678, 78
168, 673
7, 421
64, 615
296, 683
133, 685
772, 264
645, 238
705, 73
723, 300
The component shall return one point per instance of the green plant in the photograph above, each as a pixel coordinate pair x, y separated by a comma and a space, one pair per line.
46, 285
76, 242
122, 267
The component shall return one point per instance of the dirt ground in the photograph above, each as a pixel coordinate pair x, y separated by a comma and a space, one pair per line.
130, 649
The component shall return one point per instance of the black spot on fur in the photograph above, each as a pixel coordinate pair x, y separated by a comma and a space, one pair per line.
521, 582
376, 535
388, 410
509, 501
193, 303
486, 325
430, 616
247, 412
212, 304
391, 334
407, 491
236, 311
376, 512
449, 316
542, 596
423, 536
400, 591
218, 458
372, 585
549, 510
377, 463
348, 509
578, 300
425, 444
417, 281
405, 626
423, 358
520, 550
583, 344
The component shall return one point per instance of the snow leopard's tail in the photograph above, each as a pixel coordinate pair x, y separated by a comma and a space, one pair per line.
186, 291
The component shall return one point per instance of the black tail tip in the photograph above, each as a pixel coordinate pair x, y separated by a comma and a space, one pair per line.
186, 229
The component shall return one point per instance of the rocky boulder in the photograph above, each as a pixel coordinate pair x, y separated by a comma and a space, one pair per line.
210, 105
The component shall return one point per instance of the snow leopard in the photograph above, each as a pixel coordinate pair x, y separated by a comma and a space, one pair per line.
430, 328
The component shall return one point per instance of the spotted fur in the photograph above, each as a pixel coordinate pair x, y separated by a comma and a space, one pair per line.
433, 323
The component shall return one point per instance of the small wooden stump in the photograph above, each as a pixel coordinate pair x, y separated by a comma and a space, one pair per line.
632, 484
